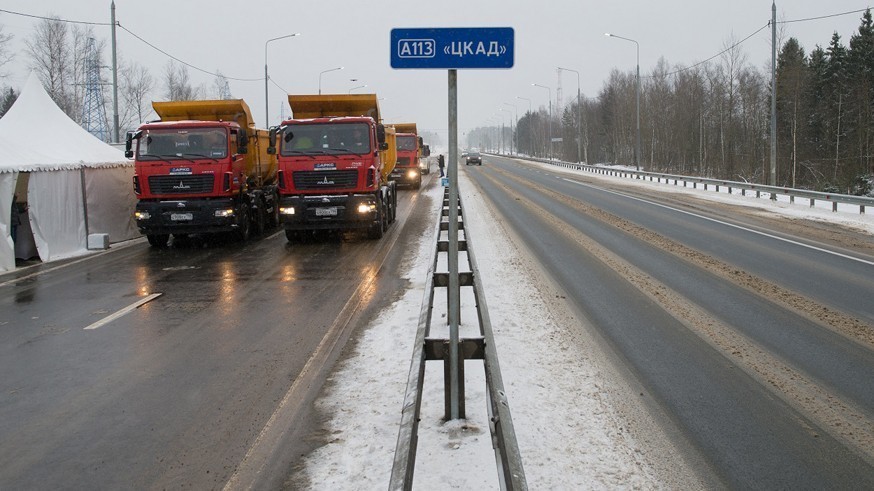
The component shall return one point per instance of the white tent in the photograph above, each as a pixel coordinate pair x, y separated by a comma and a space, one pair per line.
78, 185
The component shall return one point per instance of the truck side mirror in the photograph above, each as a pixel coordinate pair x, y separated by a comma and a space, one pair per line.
128, 142
380, 134
271, 141
421, 142
243, 145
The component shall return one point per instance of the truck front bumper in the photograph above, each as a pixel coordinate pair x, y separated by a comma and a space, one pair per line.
406, 175
187, 216
328, 212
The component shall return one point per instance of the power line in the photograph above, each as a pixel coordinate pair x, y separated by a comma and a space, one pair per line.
56, 19
185, 62
823, 16
758, 31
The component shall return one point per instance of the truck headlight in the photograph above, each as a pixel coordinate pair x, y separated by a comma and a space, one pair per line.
366, 208
412, 174
286, 210
142, 215
224, 213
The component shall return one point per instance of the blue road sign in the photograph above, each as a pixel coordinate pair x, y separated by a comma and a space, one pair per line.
452, 48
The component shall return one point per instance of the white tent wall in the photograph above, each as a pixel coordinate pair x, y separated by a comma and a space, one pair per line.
57, 215
7, 247
111, 203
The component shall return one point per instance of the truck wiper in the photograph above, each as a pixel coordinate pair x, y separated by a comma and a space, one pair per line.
198, 155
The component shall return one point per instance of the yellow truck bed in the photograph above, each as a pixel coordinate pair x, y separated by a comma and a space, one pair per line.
326, 105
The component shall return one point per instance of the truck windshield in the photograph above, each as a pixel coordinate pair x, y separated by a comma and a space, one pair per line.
326, 138
406, 143
170, 143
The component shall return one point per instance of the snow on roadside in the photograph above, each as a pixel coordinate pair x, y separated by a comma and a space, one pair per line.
847, 215
569, 435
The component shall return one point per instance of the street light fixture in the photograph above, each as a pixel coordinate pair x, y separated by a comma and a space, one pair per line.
637, 146
580, 113
359, 87
267, 78
549, 151
324, 72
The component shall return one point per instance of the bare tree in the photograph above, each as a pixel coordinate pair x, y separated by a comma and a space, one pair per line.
221, 88
50, 58
6, 54
135, 87
177, 83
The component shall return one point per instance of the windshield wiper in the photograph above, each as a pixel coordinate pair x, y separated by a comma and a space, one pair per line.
198, 155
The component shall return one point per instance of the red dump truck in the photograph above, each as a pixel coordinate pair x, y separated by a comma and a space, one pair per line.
334, 159
203, 168
407, 170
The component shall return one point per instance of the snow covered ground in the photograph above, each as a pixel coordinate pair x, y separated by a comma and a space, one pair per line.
571, 427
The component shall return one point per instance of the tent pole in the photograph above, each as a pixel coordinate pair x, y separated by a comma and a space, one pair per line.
84, 202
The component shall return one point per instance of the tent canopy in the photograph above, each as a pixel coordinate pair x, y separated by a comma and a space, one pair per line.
36, 135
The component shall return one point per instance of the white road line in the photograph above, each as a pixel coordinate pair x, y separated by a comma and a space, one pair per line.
126, 310
764, 234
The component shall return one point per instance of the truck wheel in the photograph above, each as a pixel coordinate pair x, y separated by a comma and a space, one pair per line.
274, 217
243, 221
292, 235
260, 220
158, 240
377, 230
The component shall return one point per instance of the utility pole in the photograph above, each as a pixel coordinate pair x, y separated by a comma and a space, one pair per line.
115, 128
773, 174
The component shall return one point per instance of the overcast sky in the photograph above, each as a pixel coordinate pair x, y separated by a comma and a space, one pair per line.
230, 37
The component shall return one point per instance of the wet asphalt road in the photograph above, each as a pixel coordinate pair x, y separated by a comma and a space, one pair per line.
752, 390
176, 393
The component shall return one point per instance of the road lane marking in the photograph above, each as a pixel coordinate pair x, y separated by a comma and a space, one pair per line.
126, 310
740, 227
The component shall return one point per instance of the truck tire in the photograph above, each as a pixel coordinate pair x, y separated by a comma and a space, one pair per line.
158, 240
292, 235
244, 223
260, 219
274, 216
377, 230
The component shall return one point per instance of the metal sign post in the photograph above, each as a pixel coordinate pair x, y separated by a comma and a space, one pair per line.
453, 49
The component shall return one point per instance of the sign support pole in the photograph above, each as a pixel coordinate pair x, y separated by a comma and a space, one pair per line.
454, 289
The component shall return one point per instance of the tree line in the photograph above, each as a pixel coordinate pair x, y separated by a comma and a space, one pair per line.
713, 119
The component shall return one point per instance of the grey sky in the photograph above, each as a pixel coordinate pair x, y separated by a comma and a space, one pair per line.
230, 37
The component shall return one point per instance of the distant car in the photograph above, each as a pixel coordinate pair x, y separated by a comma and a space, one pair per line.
474, 158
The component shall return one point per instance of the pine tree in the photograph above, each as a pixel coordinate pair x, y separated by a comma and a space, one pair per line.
8, 99
860, 61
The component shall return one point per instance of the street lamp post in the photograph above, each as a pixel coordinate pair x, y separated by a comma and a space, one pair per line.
358, 87
502, 128
530, 131
267, 78
324, 72
637, 146
549, 149
512, 127
580, 113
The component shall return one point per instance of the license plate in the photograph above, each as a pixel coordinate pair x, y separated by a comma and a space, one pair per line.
326, 212
179, 217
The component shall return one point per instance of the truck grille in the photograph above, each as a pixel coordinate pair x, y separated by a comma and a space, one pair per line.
405, 162
328, 179
202, 183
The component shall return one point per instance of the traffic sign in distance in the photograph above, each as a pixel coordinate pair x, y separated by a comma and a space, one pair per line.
452, 48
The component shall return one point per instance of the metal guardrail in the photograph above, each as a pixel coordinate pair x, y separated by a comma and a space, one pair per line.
510, 471
760, 189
